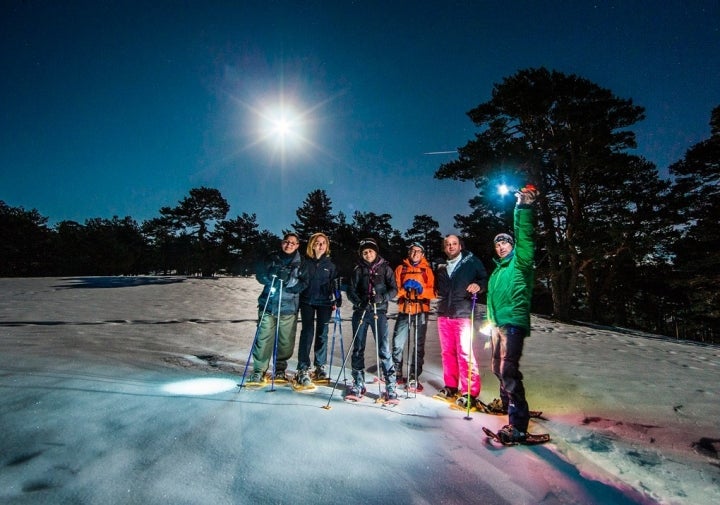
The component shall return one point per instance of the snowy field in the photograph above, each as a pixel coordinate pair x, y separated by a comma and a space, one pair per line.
102, 403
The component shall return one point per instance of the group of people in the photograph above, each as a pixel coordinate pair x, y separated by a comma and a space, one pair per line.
310, 286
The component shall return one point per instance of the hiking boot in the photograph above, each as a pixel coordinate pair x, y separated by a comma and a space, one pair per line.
462, 401
280, 376
496, 407
321, 373
257, 377
390, 392
303, 378
356, 389
509, 434
447, 393
414, 385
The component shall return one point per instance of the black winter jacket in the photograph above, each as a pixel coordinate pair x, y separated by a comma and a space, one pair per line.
323, 285
372, 283
454, 300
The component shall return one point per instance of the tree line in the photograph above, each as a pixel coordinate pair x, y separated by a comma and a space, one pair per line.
617, 244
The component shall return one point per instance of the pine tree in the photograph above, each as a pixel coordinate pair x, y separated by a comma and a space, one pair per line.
696, 198
315, 216
567, 136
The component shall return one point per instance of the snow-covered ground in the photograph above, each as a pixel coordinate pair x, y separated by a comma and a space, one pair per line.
100, 404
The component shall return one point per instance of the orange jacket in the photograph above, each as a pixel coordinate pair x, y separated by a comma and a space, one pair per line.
411, 303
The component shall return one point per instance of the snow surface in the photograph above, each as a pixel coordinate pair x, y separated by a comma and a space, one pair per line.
100, 404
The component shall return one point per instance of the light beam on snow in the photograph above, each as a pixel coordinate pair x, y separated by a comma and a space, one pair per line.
199, 387
486, 329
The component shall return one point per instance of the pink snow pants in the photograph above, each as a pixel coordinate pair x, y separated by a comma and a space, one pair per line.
456, 348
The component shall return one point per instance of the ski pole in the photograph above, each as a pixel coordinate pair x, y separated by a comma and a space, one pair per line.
415, 360
377, 348
410, 292
277, 338
352, 343
407, 376
337, 325
342, 345
470, 354
257, 331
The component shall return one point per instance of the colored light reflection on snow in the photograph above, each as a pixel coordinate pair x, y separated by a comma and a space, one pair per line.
199, 387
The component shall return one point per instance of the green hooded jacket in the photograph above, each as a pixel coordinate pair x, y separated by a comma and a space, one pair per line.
511, 283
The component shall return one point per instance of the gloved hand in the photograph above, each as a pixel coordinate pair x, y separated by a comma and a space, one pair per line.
337, 300
527, 195
378, 298
413, 285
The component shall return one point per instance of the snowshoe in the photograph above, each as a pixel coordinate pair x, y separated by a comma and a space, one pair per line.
461, 403
414, 386
321, 374
390, 398
280, 377
302, 381
446, 394
495, 408
355, 392
256, 380
508, 435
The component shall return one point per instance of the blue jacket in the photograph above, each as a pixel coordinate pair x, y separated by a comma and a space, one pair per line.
293, 273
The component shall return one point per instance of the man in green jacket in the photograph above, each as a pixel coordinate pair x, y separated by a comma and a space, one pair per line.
508, 310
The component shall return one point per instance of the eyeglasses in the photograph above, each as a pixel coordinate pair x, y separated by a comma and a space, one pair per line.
288, 242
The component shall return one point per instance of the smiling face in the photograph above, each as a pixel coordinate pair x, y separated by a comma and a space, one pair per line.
415, 254
503, 248
369, 255
320, 246
290, 244
452, 246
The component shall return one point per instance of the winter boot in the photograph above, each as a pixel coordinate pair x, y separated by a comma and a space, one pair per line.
462, 402
257, 377
303, 378
280, 376
390, 387
321, 373
447, 393
495, 407
509, 434
414, 385
357, 388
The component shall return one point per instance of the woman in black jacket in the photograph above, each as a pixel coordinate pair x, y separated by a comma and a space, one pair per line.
317, 302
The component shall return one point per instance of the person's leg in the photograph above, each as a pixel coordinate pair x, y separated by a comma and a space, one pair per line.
307, 315
262, 351
421, 320
400, 335
512, 378
447, 329
465, 355
286, 341
360, 328
322, 318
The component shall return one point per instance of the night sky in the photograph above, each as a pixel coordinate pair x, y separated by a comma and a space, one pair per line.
121, 107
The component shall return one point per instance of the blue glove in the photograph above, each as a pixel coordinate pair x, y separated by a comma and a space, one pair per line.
411, 285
